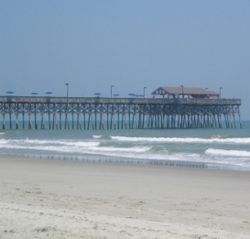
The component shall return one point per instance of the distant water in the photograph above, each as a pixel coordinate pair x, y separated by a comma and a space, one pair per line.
206, 148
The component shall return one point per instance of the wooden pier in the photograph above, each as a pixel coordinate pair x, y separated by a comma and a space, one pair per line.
98, 113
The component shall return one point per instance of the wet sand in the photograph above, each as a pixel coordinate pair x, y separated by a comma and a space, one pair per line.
71, 199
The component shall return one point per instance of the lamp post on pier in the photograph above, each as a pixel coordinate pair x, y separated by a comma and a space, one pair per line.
182, 91
67, 91
220, 89
111, 91
144, 91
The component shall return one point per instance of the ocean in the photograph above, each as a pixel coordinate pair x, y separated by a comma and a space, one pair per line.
202, 148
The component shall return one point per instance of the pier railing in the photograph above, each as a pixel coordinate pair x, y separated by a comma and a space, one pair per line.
103, 100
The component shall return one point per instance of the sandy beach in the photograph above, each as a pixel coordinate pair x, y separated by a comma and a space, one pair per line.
72, 199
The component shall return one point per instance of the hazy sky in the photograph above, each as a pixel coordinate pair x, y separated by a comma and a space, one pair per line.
130, 44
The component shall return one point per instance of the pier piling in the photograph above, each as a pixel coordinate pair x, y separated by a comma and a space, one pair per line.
96, 113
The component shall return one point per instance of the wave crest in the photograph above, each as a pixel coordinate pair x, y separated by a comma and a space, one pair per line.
190, 140
228, 153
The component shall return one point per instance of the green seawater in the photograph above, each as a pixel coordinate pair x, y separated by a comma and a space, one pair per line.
206, 148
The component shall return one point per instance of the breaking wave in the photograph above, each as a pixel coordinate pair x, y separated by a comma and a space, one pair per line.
68, 146
187, 140
229, 153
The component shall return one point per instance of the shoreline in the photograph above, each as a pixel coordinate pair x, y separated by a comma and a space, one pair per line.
133, 162
73, 199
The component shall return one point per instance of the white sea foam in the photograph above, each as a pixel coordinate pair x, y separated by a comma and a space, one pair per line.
124, 150
227, 153
189, 140
69, 147
47, 142
116, 150
82, 144
96, 136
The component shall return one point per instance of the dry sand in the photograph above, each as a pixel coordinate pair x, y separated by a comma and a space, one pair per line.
59, 199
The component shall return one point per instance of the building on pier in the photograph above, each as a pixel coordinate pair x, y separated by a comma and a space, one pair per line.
178, 109
185, 92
